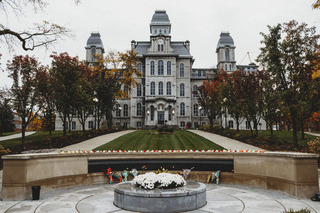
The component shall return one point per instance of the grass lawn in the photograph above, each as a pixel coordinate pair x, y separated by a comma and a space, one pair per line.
34, 138
8, 133
145, 140
287, 136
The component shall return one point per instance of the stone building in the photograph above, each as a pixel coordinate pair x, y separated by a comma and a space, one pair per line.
164, 95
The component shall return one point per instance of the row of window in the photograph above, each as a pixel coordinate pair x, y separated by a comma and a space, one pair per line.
226, 67
161, 68
196, 109
230, 124
196, 124
160, 88
125, 110
168, 89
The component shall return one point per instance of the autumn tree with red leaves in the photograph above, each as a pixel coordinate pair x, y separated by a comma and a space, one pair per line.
26, 98
66, 78
289, 60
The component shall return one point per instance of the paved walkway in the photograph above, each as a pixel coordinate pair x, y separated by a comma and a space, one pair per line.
225, 142
220, 198
95, 142
312, 133
3, 138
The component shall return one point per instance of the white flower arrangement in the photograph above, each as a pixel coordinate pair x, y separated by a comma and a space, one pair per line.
151, 180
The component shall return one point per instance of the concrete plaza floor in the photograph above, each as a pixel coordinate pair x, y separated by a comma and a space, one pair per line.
220, 198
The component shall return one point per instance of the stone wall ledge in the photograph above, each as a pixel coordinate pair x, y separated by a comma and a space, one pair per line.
100, 155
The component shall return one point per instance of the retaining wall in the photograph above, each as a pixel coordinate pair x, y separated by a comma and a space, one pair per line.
293, 173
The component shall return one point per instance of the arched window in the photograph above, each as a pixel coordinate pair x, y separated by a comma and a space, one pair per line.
139, 109
139, 90
181, 89
152, 68
182, 109
168, 67
160, 47
195, 110
170, 113
181, 70
152, 113
140, 67
125, 110
160, 88
225, 67
160, 67
118, 113
194, 91
227, 55
230, 67
93, 54
152, 88
168, 88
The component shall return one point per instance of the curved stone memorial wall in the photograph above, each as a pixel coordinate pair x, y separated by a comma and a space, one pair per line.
293, 173
186, 198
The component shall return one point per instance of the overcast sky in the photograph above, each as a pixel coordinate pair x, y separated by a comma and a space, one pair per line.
199, 21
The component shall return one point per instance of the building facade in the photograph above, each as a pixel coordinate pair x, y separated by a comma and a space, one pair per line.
164, 95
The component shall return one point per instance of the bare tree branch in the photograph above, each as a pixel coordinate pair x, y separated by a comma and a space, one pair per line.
41, 35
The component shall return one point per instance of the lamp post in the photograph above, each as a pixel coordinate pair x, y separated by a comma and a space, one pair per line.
95, 112
120, 108
225, 112
200, 107
172, 115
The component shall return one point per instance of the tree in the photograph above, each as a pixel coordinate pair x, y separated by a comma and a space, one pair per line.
211, 95
83, 97
115, 76
46, 91
271, 103
6, 114
42, 34
235, 97
289, 63
252, 90
25, 94
316, 5
66, 75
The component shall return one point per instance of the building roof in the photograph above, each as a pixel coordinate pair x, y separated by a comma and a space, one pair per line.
160, 16
178, 47
94, 41
225, 40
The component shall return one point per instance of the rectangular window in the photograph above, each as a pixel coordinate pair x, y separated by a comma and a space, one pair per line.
139, 124
73, 125
125, 110
183, 124
231, 124
152, 113
247, 125
202, 112
90, 125
118, 110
